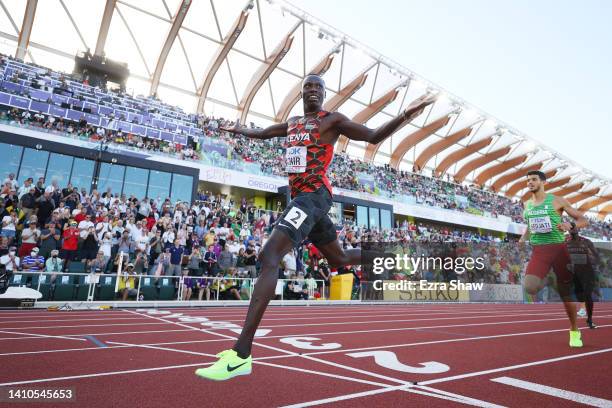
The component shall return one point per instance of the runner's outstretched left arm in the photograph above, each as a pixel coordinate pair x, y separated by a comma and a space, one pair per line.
356, 131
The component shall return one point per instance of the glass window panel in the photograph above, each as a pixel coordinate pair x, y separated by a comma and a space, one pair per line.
182, 187
10, 156
135, 182
111, 176
159, 184
82, 173
59, 169
362, 216
385, 219
33, 165
374, 218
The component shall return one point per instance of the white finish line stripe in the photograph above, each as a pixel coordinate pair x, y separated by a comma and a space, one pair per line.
555, 392
513, 367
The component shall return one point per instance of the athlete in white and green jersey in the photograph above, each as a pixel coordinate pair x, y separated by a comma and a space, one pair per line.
545, 232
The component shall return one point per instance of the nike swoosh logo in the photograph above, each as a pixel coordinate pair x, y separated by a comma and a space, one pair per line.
230, 368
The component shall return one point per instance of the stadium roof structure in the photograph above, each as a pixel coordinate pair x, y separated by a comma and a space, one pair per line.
246, 59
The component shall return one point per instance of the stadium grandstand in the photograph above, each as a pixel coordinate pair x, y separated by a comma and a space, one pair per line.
122, 187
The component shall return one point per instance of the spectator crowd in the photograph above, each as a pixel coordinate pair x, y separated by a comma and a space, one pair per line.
198, 131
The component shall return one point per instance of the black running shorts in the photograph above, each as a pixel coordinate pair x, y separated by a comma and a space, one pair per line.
306, 216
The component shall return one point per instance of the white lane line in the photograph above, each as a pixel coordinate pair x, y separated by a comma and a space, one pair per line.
324, 333
290, 310
432, 392
281, 336
103, 334
456, 397
103, 374
258, 361
409, 388
42, 336
346, 397
79, 325
283, 351
301, 324
555, 392
495, 336
514, 367
336, 332
67, 320
101, 315
23, 353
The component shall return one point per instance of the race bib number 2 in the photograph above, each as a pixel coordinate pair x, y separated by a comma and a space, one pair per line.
295, 217
295, 159
540, 225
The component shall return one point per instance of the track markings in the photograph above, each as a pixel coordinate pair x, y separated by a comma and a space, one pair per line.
75, 377
383, 358
42, 336
306, 343
555, 392
514, 367
96, 341
388, 359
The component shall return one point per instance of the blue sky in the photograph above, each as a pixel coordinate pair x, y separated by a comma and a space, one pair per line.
544, 67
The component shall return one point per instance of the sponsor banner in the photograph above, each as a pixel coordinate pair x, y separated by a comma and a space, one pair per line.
443, 293
239, 179
461, 201
367, 181
411, 208
456, 217
497, 293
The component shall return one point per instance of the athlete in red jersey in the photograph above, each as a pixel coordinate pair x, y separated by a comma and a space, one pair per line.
309, 151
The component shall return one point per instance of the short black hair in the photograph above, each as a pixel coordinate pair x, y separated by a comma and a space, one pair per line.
314, 76
538, 173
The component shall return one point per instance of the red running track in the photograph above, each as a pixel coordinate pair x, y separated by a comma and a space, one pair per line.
382, 355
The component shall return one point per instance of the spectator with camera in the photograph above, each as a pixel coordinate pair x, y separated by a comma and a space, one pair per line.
226, 259
98, 264
195, 259
210, 261
71, 242
141, 262
294, 290
54, 263
176, 259
127, 282
9, 226
89, 244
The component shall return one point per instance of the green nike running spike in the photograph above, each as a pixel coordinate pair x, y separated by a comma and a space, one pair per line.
228, 366
575, 340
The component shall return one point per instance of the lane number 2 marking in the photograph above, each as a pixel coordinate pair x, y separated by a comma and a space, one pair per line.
389, 360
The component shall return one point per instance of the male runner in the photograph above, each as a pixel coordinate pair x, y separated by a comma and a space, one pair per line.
309, 151
584, 257
545, 231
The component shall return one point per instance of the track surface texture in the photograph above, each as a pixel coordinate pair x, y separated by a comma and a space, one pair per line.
425, 355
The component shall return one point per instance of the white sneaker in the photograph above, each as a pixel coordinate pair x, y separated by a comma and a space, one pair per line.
582, 312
